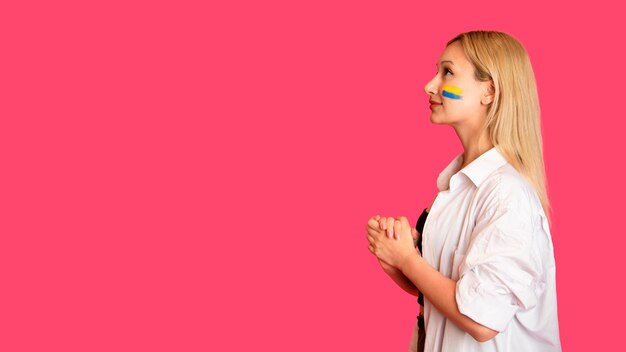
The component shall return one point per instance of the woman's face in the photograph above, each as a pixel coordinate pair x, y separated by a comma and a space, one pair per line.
462, 99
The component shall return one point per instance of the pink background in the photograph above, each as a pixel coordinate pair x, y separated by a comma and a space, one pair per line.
188, 177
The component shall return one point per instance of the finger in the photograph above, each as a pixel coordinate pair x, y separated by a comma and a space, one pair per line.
390, 222
407, 228
371, 249
383, 223
375, 217
370, 239
397, 228
414, 233
405, 223
373, 223
375, 233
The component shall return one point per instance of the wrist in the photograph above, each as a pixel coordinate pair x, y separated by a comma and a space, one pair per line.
392, 270
407, 261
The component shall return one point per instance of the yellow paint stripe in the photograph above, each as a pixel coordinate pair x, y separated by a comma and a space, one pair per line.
453, 90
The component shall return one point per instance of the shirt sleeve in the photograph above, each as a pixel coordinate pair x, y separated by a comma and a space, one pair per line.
501, 273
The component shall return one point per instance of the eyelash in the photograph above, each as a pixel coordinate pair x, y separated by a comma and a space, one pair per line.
445, 70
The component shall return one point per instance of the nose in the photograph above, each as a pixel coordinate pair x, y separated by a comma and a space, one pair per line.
431, 87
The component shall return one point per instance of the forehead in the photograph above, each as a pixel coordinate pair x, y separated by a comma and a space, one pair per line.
454, 52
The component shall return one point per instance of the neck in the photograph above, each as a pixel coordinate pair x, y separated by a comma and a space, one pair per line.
475, 142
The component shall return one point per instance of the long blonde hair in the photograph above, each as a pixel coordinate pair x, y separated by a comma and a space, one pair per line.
513, 119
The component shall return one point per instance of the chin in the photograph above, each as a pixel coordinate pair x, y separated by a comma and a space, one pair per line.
436, 120
442, 119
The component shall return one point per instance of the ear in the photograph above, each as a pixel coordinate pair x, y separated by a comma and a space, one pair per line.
488, 93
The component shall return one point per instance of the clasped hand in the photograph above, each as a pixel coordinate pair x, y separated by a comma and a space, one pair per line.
391, 240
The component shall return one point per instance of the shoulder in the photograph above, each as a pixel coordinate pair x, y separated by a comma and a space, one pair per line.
505, 190
509, 218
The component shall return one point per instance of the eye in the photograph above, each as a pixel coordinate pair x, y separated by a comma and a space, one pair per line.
446, 71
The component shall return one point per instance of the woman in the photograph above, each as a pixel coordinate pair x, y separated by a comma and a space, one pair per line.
486, 268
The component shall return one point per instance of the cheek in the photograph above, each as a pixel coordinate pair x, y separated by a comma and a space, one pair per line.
452, 92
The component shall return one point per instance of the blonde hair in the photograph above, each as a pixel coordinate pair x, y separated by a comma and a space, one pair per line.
513, 123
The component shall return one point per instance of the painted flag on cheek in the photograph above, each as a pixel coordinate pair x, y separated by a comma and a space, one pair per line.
452, 92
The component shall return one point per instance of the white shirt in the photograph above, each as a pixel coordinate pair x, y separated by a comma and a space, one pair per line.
488, 230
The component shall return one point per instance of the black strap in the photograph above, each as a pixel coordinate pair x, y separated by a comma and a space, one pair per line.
420, 228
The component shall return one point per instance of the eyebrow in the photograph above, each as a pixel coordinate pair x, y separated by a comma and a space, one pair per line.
451, 63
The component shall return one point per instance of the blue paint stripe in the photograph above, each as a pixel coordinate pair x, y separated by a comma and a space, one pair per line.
450, 95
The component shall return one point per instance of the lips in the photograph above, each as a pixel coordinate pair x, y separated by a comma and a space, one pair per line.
434, 104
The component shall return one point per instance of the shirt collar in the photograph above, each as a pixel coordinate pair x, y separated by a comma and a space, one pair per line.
477, 171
